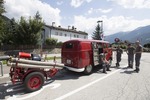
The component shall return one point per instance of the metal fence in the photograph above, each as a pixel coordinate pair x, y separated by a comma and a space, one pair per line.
26, 47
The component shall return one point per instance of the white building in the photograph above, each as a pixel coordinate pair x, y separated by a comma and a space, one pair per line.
63, 34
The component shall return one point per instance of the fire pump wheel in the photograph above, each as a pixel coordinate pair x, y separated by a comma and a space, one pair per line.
34, 81
88, 69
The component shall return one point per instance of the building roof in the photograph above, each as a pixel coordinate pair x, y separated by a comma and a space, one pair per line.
68, 30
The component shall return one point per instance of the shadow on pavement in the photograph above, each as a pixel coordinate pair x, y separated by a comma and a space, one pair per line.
127, 71
8, 89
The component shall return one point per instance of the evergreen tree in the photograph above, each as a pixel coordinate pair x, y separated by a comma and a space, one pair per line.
8, 35
2, 23
29, 31
97, 33
2, 9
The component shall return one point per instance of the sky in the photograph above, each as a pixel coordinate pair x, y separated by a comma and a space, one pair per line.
117, 15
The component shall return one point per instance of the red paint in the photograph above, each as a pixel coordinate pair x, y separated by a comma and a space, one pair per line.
79, 53
24, 55
34, 82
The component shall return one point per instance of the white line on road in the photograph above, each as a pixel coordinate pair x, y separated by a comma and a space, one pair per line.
16, 97
85, 86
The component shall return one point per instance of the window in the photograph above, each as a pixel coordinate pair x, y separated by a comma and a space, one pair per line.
84, 37
77, 36
60, 34
74, 35
56, 33
69, 46
65, 35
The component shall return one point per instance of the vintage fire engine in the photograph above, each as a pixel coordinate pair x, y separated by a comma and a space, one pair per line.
76, 55
83, 55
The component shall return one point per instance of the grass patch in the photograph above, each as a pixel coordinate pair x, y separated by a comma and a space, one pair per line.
52, 58
4, 62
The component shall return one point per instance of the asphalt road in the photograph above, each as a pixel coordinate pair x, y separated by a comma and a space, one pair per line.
119, 84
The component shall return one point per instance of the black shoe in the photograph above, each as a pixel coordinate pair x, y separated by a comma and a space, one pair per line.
105, 72
137, 70
108, 70
129, 66
116, 65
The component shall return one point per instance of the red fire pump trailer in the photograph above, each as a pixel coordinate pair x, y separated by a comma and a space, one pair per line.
77, 55
30, 71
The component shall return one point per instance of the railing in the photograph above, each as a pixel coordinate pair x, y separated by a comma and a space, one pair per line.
26, 47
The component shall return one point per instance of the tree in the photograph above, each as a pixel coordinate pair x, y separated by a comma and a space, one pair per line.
29, 31
147, 45
2, 23
97, 34
8, 35
51, 41
10, 32
2, 9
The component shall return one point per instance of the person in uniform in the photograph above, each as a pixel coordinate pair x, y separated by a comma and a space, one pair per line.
104, 62
138, 53
119, 52
130, 52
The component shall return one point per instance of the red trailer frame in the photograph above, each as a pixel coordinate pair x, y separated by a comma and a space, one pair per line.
32, 78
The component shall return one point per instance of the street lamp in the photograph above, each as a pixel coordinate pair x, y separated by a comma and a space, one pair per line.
101, 28
42, 40
68, 27
53, 23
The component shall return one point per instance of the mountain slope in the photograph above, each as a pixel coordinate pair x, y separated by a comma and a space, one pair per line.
141, 33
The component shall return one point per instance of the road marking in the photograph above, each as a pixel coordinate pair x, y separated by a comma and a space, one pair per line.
16, 97
85, 86
4, 76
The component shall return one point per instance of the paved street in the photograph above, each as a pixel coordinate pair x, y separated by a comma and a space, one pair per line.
119, 84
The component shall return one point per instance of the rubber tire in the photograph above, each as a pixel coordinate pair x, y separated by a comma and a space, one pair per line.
87, 71
38, 75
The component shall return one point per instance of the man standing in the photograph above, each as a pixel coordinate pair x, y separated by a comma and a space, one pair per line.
138, 53
130, 52
119, 52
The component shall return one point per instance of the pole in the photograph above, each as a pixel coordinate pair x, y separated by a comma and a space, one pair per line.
42, 37
101, 28
1, 64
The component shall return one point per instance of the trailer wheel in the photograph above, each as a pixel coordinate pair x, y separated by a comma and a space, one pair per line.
88, 69
34, 81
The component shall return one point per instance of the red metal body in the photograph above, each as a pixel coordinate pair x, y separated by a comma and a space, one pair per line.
18, 74
81, 53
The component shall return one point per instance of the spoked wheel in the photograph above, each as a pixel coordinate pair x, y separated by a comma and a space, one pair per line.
34, 81
88, 69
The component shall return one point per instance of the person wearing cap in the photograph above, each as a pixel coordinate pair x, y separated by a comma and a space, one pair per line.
104, 62
130, 52
119, 52
138, 53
